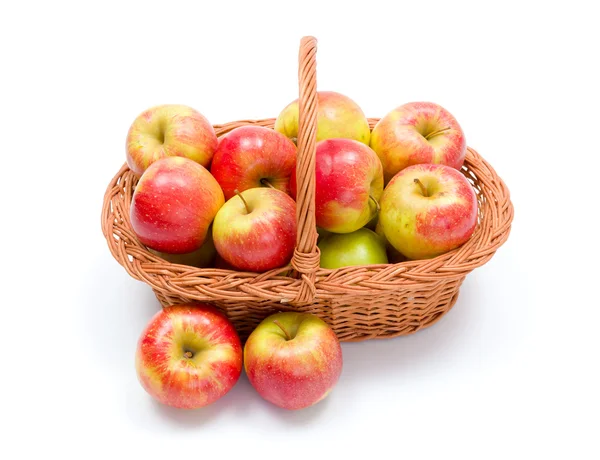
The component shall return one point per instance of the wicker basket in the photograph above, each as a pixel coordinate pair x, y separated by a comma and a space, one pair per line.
361, 302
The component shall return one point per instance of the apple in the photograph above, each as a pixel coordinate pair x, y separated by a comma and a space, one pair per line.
173, 205
253, 156
338, 116
188, 356
428, 210
293, 360
349, 183
169, 130
256, 230
200, 258
417, 133
361, 247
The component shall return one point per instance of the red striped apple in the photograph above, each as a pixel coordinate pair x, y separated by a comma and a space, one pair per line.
428, 210
253, 156
338, 116
188, 356
256, 230
349, 183
169, 130
293, 360
417, 133
173, 205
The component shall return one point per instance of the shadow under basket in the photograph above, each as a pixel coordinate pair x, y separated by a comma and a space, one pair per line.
359, 302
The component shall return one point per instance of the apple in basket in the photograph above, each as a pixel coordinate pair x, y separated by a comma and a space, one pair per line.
188, 356
169, 130
293, 360
416, 133
349, 183
361, 247
253, 156
256, 230
338, 116
427, 210
173, 205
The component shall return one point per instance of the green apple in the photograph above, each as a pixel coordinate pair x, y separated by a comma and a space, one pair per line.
361, 247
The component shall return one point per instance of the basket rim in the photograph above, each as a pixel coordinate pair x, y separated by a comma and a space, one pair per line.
355, 280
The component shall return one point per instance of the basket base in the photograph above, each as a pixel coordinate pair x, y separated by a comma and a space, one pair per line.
393, 314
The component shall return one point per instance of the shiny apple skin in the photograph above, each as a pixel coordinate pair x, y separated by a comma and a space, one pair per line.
297, 373
173, 205
253, 156
215, 355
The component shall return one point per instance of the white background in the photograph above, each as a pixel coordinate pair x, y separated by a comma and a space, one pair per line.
510, 372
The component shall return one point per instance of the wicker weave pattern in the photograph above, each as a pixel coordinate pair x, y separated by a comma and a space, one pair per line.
359, 303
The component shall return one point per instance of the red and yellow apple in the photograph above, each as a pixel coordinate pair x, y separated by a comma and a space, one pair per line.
428, 210
293, 360
169, 130
417, 133
361, 247
349, 183
338, 116
188, 356
256, 230
253, 156
173, 205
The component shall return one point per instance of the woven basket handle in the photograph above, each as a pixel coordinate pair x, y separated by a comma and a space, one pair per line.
306, 255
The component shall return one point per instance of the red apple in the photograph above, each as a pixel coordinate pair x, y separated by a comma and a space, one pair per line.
417, 133
256, 231
338, 116
253, 156
349, 183
293, 360
169, 130
173, 205
427, 210
188, 356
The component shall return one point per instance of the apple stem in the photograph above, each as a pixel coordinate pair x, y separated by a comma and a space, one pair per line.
372, 198
188, 354
242, 198
435, 133
423, 188
287, 335
267, 183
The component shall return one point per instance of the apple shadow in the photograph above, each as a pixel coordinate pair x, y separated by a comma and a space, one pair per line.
151, 415
236, 401
300, 417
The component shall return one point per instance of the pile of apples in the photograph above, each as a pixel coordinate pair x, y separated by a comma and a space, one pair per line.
189, 356
388, 195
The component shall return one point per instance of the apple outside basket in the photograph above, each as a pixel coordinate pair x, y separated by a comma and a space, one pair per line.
359, 302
